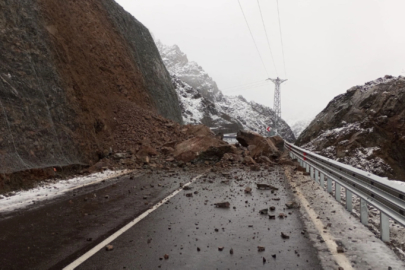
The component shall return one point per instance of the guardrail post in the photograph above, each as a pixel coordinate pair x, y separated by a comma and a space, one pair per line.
322, 181
363, 212
329, 185
312, 173
316, 176
349, 205
338, 197
385, 227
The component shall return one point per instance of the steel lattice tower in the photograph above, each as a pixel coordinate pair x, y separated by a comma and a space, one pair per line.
277, 100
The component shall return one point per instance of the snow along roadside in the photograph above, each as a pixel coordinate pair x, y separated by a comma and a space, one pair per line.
361, 247
50, 190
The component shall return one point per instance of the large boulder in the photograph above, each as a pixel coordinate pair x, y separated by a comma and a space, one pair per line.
198, 131
278, 142
257, 144
201, 148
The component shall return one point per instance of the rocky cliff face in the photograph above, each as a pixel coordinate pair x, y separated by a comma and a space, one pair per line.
67, 67
365, 128
202, 101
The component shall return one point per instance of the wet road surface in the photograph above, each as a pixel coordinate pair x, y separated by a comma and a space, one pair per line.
194, 234
53, 233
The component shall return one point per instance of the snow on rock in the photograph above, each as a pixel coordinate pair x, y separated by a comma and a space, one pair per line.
202, 102
364, 128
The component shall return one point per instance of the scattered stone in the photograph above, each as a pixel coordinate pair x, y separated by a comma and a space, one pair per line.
222, 205
260, 249
274, 256
198, 249
189, 195
166, 257
272, 217
109, 247
248, 190
284, 236
272, 208
231, 251
266, 186
281, 215
264, 211
264, 260
220, 248
106, 196
340, 249
292, 204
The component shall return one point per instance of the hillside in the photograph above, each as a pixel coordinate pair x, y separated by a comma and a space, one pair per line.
70, 71
203, 102
365, 128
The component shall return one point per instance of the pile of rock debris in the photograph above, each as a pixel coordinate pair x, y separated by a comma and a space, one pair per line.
197, 146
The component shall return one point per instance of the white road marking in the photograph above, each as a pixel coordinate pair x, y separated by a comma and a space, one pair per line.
100, 246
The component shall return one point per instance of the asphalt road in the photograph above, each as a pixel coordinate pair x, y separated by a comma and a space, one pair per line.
53, 233
194, 234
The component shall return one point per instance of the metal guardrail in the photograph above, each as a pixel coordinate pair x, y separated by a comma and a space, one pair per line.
387, 197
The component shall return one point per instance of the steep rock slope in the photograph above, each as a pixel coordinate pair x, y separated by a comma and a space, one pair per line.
202, 101
365, 127
67, 68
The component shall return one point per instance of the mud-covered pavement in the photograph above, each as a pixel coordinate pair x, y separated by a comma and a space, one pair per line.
189, 232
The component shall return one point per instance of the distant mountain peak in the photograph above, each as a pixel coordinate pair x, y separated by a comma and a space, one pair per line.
202, 101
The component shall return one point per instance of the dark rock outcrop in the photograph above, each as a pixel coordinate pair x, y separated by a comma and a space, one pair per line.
365, 128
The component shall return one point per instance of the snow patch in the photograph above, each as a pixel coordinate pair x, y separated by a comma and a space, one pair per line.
50, 190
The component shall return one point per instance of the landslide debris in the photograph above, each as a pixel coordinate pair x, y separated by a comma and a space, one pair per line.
66, 69
365, 128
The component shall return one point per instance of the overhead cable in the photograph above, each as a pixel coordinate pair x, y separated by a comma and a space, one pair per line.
244, 85
281, 38
253, 38
267, 37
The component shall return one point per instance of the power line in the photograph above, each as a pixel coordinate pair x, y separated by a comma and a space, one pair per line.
281, 38
253, 38
267, 37
246, 88
244, 85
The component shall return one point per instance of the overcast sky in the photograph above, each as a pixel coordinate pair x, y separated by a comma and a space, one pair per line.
329, 45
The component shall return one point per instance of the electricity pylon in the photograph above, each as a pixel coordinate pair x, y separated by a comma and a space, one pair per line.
277, 100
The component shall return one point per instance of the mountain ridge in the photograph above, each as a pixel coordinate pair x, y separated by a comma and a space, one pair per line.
209, 106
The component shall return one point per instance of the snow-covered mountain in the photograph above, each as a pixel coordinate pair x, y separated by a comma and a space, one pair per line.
299, 126
364, 127
202, 102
